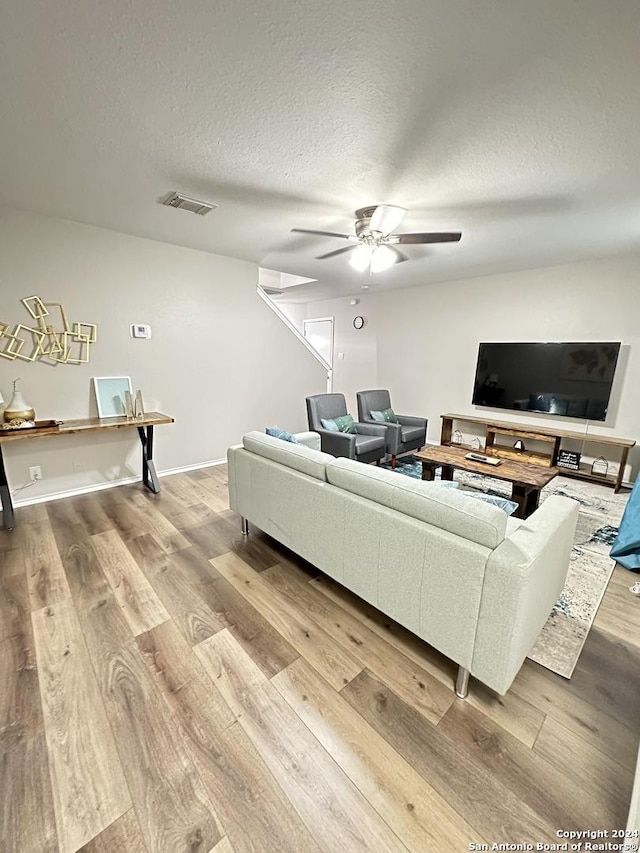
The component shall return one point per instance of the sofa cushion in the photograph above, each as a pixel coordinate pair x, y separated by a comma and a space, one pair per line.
296, 456
448, 509
412, 433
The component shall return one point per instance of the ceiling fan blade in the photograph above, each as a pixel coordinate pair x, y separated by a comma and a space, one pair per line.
444, 237
336, 252
323, 233
386, 217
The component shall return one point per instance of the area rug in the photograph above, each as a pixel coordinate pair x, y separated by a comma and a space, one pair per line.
559, 645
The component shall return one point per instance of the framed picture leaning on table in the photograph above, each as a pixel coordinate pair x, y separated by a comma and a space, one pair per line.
111, 394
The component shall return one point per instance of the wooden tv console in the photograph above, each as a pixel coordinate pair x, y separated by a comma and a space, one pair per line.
552, 438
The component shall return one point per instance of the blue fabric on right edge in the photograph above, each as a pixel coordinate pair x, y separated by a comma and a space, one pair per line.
626, 548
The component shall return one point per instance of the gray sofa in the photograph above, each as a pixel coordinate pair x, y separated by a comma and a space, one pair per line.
469, 580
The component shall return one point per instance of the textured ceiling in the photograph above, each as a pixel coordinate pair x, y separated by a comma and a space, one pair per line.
516, 122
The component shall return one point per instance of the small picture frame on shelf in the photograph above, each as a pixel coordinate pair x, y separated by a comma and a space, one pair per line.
110, 394
569, 459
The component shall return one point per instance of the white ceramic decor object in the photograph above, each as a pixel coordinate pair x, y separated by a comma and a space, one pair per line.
18, 408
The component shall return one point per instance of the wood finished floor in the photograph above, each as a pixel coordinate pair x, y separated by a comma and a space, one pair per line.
168, 685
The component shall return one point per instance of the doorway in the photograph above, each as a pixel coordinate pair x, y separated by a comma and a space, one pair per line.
319, 333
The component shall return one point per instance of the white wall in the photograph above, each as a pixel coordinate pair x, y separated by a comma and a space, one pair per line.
422, 343
220, 362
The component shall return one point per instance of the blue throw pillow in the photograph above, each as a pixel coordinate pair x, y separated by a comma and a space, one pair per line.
385, 416
345, 423
502, 503
276, 432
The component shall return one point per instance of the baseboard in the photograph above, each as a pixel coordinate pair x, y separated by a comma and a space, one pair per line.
112, 484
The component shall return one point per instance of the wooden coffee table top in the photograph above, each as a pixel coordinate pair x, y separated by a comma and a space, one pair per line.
514, 472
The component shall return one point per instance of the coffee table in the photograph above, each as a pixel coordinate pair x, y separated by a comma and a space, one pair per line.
526, 479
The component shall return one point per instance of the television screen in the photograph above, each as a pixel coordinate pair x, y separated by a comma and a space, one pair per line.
569, 379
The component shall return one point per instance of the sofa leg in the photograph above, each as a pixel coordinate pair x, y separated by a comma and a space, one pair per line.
462, 683
378, 462
393, 461
245, 526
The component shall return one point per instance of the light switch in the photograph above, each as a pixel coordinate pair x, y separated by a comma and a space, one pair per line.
140, 330
340, 356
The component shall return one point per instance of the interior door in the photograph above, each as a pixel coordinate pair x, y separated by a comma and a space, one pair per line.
319, 332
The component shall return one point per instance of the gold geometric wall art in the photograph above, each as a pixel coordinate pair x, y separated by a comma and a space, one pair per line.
89, 329
35, 306
28, 350
54, 341
76, 348
56, 308
53, 344
9, 345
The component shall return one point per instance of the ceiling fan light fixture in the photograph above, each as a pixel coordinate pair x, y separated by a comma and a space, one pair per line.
361, 257
386, 218
383, 258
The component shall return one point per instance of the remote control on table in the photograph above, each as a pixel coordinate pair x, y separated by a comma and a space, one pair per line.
479, 457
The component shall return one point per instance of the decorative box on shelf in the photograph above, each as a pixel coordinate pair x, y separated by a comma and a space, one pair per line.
569, 459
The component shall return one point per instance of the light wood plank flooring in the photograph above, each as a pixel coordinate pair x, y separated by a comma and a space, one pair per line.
169, 685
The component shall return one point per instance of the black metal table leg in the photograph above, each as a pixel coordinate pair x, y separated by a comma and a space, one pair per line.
5, 497
149, 476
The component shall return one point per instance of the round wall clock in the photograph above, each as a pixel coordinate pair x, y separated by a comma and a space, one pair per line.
358, 322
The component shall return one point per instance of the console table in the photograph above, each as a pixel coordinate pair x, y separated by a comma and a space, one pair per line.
144, 426
552, 438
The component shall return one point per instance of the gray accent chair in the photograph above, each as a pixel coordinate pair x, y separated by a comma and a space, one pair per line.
368, 444
410, 433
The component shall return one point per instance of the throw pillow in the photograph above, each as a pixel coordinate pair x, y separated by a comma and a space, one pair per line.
345, 423
276, 432
502, 503
386, 416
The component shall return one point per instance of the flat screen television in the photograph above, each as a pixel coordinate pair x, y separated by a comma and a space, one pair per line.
569, 379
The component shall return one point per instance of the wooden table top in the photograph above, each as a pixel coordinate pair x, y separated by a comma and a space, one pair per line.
514, 472
85, 425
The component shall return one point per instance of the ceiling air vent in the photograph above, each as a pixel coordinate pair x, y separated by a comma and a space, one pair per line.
183, 202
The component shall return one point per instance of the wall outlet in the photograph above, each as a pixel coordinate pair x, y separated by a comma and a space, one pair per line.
35, 473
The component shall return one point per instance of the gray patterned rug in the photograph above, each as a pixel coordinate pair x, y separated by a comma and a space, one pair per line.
562, 638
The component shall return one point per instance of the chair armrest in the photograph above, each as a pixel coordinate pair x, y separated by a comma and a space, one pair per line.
338, 443
367, 428
393, 433
409, 420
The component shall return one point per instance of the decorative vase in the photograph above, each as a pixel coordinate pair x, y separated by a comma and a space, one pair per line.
18, 408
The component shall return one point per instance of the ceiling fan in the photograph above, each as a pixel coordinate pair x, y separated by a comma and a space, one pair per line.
374, 245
